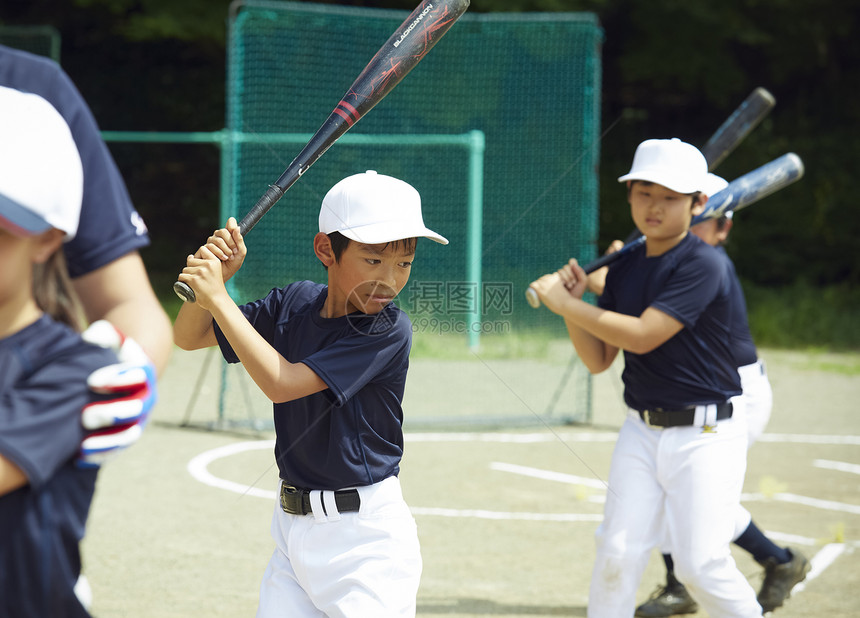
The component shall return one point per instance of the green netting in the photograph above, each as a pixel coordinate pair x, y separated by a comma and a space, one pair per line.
529, 82
42, 40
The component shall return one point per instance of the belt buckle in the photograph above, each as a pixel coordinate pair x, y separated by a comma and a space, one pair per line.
646, 416
289, 490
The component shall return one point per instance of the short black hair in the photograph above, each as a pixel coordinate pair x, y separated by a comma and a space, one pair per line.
339, 243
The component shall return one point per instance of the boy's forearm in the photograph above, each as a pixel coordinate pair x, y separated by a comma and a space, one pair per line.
639, 335
193, 329
594, 353
610, 328
279, 379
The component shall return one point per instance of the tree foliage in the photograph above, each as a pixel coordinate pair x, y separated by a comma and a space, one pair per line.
670, 68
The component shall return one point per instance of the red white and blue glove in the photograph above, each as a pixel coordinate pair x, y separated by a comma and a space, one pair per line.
129, 393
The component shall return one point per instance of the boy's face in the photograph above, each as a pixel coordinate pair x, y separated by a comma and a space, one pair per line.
659, 212
367, 277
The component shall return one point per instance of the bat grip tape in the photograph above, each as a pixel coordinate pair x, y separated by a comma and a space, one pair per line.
269, 198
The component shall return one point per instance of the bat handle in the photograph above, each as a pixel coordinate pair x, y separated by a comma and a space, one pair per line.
266, 201
604, 260
272, 195
184, 292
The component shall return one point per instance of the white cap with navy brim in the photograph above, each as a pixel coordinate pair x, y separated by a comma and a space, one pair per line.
372, 208
41, 177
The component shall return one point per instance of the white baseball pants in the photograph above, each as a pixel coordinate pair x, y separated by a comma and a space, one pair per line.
345, 565
690, 480
758, 397
758, 403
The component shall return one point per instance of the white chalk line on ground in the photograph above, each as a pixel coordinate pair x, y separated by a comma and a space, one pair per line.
839, 466
824, 558
198, 468
501, 515
548, 475
820, 561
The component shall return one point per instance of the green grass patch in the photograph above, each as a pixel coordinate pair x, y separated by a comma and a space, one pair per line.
817, 359
803, 317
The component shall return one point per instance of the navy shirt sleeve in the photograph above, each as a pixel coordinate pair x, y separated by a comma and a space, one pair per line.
110, 227
694, 285
44, 390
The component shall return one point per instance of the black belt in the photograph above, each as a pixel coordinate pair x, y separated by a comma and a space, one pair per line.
297, 501
680, 418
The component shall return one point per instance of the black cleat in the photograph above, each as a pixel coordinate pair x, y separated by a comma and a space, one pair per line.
669, 600
779, 579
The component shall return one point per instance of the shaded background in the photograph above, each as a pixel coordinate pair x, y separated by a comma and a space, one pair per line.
670, 68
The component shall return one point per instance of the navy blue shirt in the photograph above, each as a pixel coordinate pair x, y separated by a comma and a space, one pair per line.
743, 346
110, 227
691, 283
43, 373
350, 434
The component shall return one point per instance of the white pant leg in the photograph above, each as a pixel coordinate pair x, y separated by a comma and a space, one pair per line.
280, 592
631, 522
351, 564
84, 592
703, 475
743, 519
758, 396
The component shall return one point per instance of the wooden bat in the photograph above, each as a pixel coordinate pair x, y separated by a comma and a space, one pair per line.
412, 40
740, 193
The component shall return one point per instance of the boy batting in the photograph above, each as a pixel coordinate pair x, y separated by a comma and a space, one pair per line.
680, 457
333, 360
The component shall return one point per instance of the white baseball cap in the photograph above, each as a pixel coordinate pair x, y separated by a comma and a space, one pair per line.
676, 165
714, 184
41, 177
372, 208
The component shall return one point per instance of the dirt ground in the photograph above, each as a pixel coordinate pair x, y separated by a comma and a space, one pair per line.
506, 517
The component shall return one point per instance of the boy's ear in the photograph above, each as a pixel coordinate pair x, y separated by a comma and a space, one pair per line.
47, 244
323, 249
723, 233
699, 204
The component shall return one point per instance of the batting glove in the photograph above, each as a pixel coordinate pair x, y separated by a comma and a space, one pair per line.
117, 420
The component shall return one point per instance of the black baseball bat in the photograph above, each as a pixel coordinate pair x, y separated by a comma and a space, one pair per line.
412, 40
740, 193
734, 130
